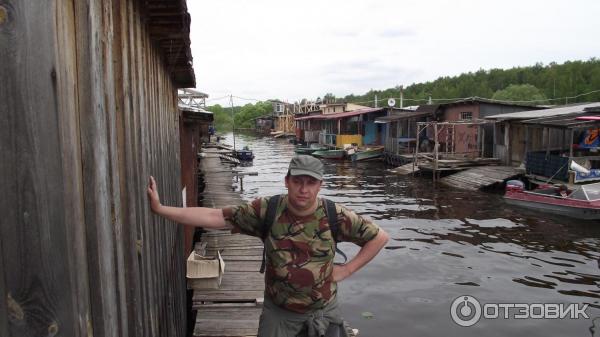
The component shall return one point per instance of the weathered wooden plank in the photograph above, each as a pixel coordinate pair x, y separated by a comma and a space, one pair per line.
241, 329
239, 266
231, 239
96, 166
128, 177
40, 282
479, 177
3, 304
255, 242
226, 296
68, 119
235, 305
242, 322
228, 313
233, 253
244, 258
237, 281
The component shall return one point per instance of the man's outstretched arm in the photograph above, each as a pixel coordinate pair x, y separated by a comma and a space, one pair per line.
194, 216
366, 254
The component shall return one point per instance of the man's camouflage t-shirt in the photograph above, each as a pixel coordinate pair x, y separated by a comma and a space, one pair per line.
300, 250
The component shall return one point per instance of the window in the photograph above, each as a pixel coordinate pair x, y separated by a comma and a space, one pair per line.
466, 116
279, 108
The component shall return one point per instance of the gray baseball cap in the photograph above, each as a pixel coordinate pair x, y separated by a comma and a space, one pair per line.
306, 165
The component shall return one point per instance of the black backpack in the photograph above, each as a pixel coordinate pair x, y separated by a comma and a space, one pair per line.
270, 219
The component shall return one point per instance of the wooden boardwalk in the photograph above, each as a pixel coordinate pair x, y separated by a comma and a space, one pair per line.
219, 190
234, 308
480, 177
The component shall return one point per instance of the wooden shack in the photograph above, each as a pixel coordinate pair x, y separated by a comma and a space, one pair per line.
400, 136
471, 109
514, 139
88, 112
547, 141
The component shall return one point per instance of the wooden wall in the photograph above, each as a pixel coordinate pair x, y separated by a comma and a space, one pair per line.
88, 112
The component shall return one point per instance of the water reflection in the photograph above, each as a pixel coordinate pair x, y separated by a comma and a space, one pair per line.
447, 243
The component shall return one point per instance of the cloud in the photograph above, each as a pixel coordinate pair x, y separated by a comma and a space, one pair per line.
292, 50
396, 33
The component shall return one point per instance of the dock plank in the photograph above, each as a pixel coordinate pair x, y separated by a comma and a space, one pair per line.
226, 296
480, 177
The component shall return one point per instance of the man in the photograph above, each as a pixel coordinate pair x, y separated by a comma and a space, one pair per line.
301, 278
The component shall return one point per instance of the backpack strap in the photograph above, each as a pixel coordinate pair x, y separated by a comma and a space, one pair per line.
332, 218
267, 224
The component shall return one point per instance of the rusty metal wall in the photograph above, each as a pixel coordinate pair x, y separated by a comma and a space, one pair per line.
88, 112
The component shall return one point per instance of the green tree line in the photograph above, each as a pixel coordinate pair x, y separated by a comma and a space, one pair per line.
242, 115
557, 84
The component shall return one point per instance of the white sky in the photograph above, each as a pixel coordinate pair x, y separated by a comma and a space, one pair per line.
290, 50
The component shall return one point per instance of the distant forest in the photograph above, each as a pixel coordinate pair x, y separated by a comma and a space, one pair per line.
557, 83
554, 84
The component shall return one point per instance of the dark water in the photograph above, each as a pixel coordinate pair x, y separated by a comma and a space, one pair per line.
446, 243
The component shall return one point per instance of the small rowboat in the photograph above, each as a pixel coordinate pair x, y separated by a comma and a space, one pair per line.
330, 154
310, 149
369, 153
581, 202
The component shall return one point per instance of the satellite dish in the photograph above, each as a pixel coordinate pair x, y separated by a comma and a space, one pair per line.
391, 102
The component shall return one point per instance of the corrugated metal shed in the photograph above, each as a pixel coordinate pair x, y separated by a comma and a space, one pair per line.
563, 110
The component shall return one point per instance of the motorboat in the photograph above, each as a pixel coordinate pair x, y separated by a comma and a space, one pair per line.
579, 201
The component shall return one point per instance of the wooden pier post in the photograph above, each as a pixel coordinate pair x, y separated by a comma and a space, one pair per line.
436, 151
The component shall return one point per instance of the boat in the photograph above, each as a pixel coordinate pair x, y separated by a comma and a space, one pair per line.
581, 201
245, 154
310, 149
330, 154
366, 154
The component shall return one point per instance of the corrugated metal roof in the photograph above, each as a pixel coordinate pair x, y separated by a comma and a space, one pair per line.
563, 110
185, 107
433, 108
340, 114
479, 100
569, 121
395, 117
